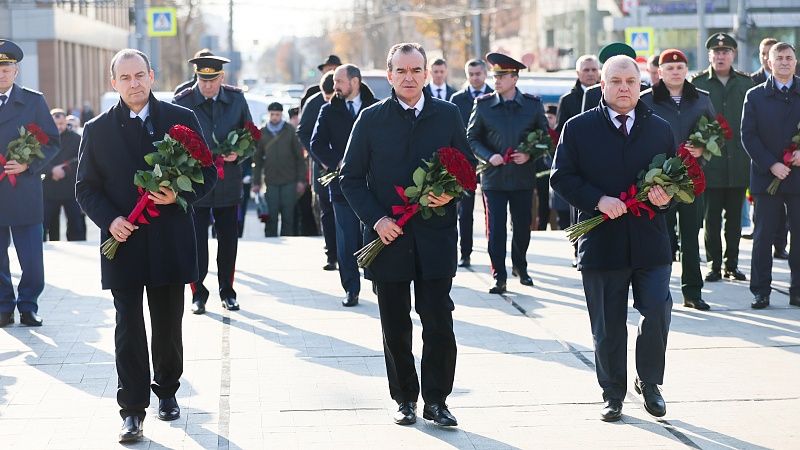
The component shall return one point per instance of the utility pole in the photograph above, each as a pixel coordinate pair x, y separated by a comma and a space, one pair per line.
141, 26
476, 28
702, 33
741, 34
590, 27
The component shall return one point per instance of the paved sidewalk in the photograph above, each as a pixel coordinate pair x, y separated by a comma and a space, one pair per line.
294, 369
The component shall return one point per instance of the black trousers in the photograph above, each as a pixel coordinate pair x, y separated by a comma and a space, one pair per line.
241, 211
781, 235
435, 308
717, 200
76, 222
466, 209
327, 220
767, 217
130, 346
543, 208
227, 229
497, 203
607, 300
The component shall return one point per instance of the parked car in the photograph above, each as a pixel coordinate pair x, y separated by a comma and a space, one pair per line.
377, 82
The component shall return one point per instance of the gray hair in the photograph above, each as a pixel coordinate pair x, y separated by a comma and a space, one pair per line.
475, 63
125, 54
585, 58
779, 47
406, 47
618, 61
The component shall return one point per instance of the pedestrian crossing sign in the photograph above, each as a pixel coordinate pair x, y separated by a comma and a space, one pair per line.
641, 39
162, 22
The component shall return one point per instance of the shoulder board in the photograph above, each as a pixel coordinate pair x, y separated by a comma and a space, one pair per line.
700, 74
32, 91
701, 91
229, 87
485, 97
183, 93
739, 72
646, 91
531, 96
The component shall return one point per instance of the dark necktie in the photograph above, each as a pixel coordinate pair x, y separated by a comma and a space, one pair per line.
210, 108
785, 89
475, 94
3, 99
351, 108
412, 114
623, 128
439, 93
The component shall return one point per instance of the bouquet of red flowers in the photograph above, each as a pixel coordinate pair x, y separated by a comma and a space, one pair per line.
788, 155
536, 144
177, 163
448, 172
711, 135
326, 179
680, 176
241, 141
24, 148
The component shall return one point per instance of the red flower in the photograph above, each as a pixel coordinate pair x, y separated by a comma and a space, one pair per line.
726, 127
193, 143
253, 130
457, 165
683, 152
38, 133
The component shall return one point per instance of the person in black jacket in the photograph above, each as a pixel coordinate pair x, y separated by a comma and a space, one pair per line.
191, 81
160, 257
499, 121
465, 99
220, 108
388, 142
438, 87
59, 185
569, 105
331, 63
770, 118
599, 155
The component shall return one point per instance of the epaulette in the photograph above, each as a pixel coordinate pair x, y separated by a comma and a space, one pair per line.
485, 97
646, 91
232, 88
183, 93
700, 74
531, 96
31, 91
741, 73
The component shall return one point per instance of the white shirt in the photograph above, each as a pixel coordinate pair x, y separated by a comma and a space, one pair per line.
480, 91
780, 85
356, 103
143, 114
443, 90
8, 93
417, 107
631, 117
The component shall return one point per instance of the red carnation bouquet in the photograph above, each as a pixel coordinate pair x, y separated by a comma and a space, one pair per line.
788, 153
711, 135
680, 176
536, 144
241, 141
177, 163
24, 149
448, 172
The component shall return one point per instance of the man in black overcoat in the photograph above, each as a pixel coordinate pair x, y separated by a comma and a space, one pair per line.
569, 105
599, 156
159, 257
59, 185
387, 144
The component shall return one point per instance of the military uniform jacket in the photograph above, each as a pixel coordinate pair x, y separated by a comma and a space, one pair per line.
112, 150
683, 118
385, 148
496, 125
593, 159
733, 167
465, 101
23, 205
63, 189
230, 112
770, 120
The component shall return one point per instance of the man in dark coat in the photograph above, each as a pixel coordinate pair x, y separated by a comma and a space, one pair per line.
599, 155
331, 63
308, 119
387, 144
771, 115
569, 105
438, 87
191, 81
59, 185
328, 143
465, 99
681, 104
499, 121
220, 108
21, 205
160, 257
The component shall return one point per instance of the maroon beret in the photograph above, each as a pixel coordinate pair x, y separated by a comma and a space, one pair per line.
672, 55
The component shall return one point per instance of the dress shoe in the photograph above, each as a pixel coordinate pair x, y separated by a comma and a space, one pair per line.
131, 429
524, 278
30, 319
713, 275
230, 304
350, 300
794, 300
406, 413
696, 303
330, 266
464, 262
439, 414
736, 274
574, 263
653, 401
199, 301
760, 302
168, 409
612, 410
498, 288
6, 319
781, 254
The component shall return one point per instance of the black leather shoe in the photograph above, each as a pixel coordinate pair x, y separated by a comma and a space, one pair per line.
6, 319
713, 275
230, 304
760, 302
199, 301
330, 266
794, 300
781, 254
30, 319
168, 409
696, 303
464, 262
131, 429
498, 288
439, 414
406, 413
524, 278
612, 410
350, 300
736, 274
653, 401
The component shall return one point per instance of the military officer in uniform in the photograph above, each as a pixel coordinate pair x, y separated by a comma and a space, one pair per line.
728, 176
191, 81
220, 108
21, 205
501, 120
